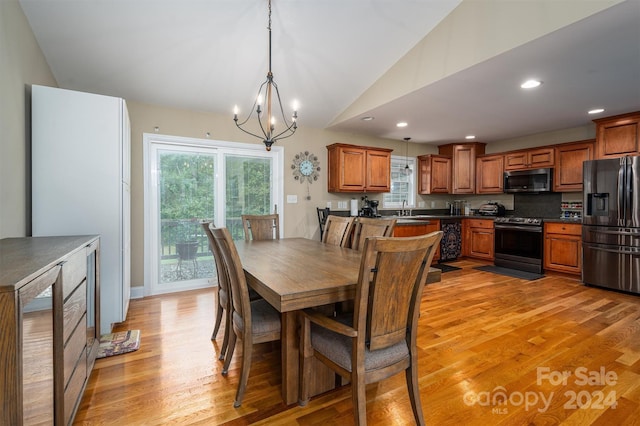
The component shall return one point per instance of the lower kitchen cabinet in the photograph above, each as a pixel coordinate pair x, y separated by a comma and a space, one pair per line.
411, 230
563, 247
49, 305
478, 240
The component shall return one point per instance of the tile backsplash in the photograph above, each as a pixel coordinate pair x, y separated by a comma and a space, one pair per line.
538, 205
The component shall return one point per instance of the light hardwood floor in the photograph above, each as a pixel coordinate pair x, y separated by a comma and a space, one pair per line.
483, 337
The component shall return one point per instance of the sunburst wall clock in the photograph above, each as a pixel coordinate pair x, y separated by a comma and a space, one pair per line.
305, 168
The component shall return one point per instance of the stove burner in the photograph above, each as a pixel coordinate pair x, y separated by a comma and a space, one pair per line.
519, 220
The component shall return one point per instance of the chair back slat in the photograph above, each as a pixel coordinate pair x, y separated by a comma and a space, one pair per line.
391, 271
261, 227
364, 227
223, 277
337, 230
233, 267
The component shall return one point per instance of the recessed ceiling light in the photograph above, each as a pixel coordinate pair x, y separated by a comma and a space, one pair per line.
402, 124
367, 118
530, 84
470, 137
596, 111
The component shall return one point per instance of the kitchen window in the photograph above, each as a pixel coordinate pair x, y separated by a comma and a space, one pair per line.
402, 184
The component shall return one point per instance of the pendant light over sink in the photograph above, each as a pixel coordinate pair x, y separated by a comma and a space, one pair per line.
407, 169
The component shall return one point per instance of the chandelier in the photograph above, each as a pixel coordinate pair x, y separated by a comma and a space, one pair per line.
268, 123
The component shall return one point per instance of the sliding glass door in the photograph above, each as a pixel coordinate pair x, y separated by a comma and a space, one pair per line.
190, 182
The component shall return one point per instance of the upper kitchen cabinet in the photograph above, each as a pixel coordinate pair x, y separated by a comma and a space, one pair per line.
435, 174
618, 135
355, 168
569, 159
463, 165
490, 174
536, 158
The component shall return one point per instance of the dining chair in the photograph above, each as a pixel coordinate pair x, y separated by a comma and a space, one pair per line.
337, 230
261, 227
322, 218
378, 340
364, 227
252, 321
223, 294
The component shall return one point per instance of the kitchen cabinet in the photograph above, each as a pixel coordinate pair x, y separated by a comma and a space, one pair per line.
434, 174
537, 158
463, 165
478, 240
618, 135
359, 168
413, 229
49, 300
568, 170
490, 174
563, 247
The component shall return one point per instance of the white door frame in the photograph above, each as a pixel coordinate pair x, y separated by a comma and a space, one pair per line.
152, 141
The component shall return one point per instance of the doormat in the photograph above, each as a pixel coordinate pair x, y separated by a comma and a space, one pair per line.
509, 272
445, 268
118, 343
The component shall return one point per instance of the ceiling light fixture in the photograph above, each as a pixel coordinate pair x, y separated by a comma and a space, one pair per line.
596, 111
402, 124
407, 169
470, 137
530, 84
367, 118
268, 124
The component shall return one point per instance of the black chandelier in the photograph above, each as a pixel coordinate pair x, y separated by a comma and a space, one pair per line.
268, 123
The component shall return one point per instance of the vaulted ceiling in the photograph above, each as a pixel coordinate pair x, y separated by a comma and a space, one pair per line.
344, 60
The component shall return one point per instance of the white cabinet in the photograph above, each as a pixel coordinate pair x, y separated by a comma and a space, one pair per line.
80, 170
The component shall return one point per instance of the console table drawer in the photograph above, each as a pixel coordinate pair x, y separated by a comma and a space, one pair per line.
74, 271
73, 389
73, 310
74, 348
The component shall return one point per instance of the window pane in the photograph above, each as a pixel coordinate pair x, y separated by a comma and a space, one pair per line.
186, 195
402, 184
248, 190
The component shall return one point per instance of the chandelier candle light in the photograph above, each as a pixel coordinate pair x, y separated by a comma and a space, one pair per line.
268, 124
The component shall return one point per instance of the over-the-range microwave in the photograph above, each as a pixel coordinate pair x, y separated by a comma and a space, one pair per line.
534, 180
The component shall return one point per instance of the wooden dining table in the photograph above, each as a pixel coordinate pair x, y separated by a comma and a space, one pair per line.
297, 273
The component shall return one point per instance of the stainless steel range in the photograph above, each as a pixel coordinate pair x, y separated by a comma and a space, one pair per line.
518, 243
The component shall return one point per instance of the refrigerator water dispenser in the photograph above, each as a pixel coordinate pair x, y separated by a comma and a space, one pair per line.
598, 204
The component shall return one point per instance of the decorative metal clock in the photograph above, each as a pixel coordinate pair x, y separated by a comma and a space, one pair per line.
306, 168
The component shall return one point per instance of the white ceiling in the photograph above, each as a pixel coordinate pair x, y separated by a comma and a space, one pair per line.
209, 55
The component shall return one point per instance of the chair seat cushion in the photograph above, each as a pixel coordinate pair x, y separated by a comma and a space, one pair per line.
338, 348
264, 318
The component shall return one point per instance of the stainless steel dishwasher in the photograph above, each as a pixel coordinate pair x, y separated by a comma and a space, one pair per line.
451, 243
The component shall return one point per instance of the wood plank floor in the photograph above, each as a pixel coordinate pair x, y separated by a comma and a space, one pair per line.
484, 339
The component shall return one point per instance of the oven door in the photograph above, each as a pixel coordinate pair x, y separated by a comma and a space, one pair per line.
519, 247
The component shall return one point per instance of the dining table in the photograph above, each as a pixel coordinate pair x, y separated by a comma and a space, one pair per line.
293, 274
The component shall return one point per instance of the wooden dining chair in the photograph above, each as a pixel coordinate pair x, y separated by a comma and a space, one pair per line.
261, 227
337, 230
379, 339
322, 218
364, 227
223, 305
252, 321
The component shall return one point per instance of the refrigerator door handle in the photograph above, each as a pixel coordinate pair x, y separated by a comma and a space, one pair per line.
629, 213
621, 192
633, 251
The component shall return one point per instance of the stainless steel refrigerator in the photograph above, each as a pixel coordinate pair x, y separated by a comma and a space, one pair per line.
611, 224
